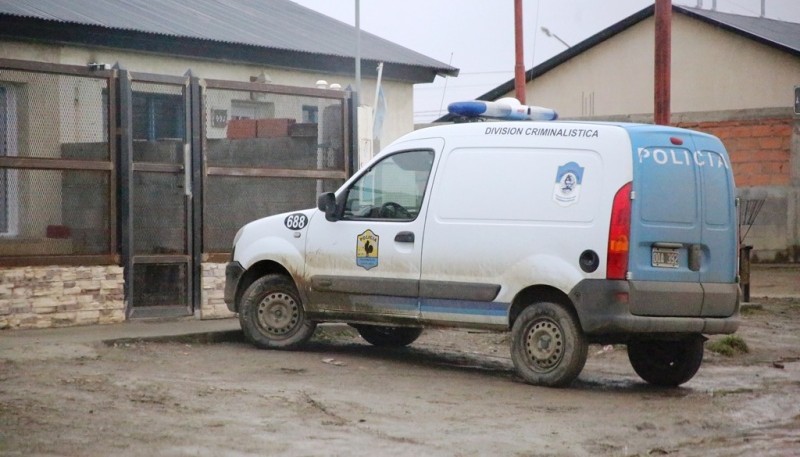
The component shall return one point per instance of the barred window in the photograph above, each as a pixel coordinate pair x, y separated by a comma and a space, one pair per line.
157, 116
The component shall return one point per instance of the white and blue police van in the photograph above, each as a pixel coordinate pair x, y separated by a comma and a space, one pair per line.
563, 233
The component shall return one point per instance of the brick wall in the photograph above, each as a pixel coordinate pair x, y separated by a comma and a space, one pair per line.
760, 149
55, 296
766, 165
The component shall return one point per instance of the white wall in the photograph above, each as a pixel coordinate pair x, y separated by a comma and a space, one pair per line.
712, 70
399, 95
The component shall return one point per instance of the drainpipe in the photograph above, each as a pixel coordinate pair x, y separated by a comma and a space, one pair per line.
663, 55
519, 68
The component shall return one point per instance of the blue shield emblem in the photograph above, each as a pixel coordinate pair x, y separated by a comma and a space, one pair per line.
567, 188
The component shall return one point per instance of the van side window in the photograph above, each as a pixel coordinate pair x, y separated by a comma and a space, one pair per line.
392, 189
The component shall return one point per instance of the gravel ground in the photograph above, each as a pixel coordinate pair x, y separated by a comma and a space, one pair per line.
452, 393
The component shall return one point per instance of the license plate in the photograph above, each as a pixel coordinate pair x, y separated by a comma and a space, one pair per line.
665, 257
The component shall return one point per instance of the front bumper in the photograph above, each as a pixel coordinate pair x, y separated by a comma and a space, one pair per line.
233, 274
607, 307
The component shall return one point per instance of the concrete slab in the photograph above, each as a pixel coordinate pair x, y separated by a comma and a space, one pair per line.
80, 342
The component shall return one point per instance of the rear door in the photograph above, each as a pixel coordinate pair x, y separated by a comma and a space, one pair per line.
666, 227
719, 228
683, 231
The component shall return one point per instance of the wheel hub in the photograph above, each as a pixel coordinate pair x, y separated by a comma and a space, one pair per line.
545, 344
278, 313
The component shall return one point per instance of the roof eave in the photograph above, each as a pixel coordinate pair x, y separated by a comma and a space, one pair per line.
45, 31
738, 31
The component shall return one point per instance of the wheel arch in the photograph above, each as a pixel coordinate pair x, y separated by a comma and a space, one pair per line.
539, 293
258, 270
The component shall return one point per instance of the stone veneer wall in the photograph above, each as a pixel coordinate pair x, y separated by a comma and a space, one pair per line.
60, 296
212, 296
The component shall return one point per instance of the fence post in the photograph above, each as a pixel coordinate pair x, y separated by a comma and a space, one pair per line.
744, 271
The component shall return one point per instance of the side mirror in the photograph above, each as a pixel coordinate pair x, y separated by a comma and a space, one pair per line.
326, 203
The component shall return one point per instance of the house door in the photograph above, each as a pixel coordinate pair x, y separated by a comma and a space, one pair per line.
157, 174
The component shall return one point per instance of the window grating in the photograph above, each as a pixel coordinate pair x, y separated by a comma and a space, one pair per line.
231, 202
59, 116
56, 171
160, 284
159, 224
60, 212
266, 153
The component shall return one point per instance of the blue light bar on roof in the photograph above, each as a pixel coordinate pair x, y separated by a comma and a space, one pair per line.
505, 108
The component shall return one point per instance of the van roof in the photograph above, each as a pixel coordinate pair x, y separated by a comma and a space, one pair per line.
475, 128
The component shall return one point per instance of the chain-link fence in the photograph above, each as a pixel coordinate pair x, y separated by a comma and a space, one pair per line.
56, 171
267, 152
114, 167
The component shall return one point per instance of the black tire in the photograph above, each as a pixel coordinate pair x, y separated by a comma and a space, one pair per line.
548, 347
388, 336
272, 315
666, 363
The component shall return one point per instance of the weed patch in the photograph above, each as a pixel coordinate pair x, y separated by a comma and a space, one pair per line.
729, 346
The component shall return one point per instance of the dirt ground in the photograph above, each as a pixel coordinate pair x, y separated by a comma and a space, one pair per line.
452, 393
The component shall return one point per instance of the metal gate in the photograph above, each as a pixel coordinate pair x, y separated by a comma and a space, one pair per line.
156, 182
268, 149
156, 173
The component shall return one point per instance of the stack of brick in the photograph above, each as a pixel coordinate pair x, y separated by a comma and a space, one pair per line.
54, 296
238, 129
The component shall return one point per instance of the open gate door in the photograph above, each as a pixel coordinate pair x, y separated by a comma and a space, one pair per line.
156, 195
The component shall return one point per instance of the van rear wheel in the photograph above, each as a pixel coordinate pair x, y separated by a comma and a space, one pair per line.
666, 363
272, 315
388, 336
548, 347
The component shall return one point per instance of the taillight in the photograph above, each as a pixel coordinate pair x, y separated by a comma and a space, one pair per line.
619, 234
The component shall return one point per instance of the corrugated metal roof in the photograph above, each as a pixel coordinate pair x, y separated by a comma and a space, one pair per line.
769, 31
276, 24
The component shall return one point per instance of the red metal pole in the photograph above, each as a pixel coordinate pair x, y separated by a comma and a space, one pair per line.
663, 17
519, 68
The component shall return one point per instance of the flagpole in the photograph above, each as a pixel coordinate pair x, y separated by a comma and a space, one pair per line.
377, 90
358, 52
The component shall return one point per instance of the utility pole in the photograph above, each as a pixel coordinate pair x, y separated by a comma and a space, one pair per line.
663, 57
519, 68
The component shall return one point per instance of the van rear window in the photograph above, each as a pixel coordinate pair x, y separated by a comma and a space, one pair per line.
667, 190
716, 191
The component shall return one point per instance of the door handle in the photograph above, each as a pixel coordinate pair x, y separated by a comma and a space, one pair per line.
404, 237
695, 257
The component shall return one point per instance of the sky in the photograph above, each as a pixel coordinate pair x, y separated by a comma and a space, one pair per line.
477, 36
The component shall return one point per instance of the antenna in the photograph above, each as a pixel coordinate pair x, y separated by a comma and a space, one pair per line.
444, 90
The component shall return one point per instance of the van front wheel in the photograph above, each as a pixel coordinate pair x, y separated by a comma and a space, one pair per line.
272, 315
548, 347
666, 363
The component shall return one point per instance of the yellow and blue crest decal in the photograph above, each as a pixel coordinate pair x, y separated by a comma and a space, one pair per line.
367, 249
